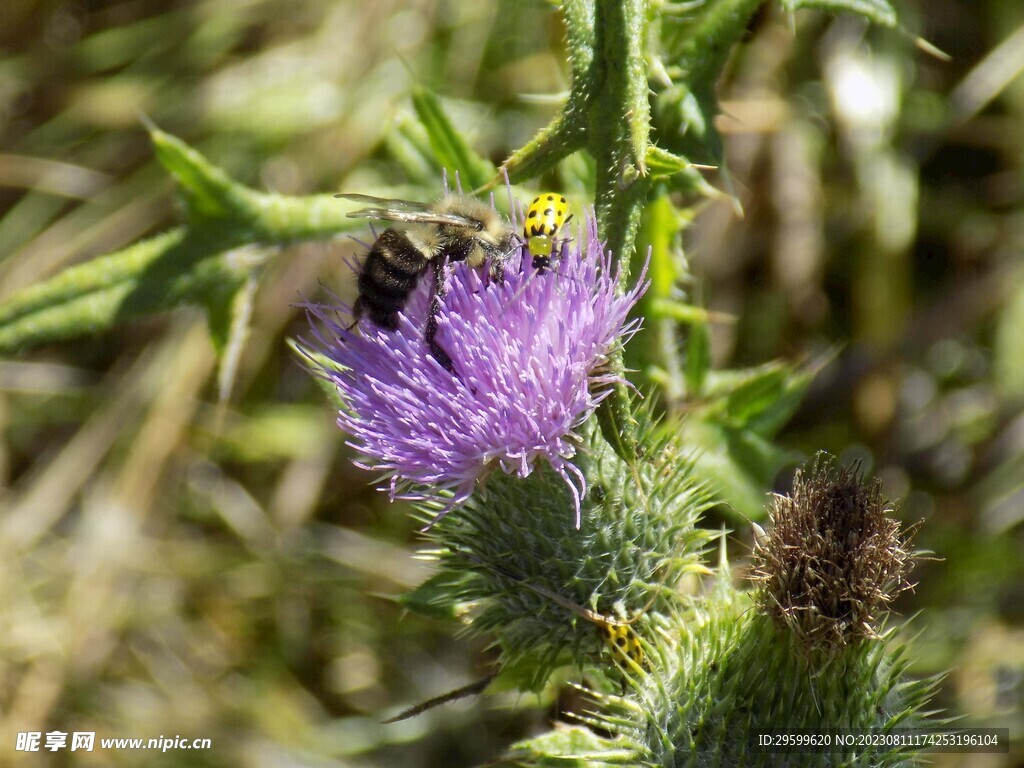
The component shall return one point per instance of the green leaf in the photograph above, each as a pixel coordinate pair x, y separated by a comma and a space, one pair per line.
151, 276
214, 201
437, 596
204, 263
452, 150
1008, 363
685, 122
655, 348
409, 145
763, 398
277, 433
876, 11
229, 319
567, 132
679, 174
756, 393
770, 419
318, 363
688, 314
742, 410
704, 38
559, 139
710, 32
661, 163
208, 192
698, 358
571, 747
739, 466
661, 227
221, 314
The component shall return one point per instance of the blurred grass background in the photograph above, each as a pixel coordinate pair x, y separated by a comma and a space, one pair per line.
171, 572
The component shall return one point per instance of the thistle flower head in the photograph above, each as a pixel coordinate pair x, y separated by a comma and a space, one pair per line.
833, 557
529, 351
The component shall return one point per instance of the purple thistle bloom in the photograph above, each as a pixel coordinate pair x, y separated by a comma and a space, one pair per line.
528, 351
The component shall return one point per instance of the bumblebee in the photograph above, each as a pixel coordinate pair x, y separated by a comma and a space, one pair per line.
546, 215
455, 228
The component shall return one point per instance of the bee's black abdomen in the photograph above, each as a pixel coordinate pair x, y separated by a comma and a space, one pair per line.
389, 274
385, 318
455, 229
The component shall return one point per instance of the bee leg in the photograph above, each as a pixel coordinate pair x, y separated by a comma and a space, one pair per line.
496, 272
357, 312
436, 293
436, 350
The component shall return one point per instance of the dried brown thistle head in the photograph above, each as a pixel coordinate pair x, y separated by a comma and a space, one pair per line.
833, 557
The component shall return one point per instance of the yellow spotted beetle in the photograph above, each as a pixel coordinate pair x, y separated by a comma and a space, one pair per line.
547, 214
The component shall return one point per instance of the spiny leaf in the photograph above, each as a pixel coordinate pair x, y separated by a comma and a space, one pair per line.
566, 133
679, 174
662, 164
563, 136
204, 263
688, 314
451, 149
698, 358
213, 199
757, 393
94, 276
152, 276
437, 597
684, 112
876, 11
572, 747
208, 191
763, 398
738, 465
228, 320
708, 40
768, 420
654, 349
409, 145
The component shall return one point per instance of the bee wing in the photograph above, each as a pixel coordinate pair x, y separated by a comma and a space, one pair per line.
384, 202
405, 211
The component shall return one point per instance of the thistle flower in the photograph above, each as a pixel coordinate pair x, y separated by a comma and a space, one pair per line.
530, 353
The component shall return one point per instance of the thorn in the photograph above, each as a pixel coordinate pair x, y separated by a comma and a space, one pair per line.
932, 50
147, 121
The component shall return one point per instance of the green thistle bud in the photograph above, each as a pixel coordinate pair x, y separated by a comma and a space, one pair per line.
731, 674
550, 594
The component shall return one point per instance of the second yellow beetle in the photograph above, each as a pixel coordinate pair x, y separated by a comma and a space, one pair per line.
548, 213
